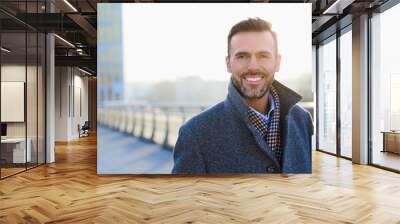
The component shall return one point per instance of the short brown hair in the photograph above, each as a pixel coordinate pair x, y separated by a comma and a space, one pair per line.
252, 25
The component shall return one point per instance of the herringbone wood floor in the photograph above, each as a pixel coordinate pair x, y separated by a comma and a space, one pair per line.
70, 191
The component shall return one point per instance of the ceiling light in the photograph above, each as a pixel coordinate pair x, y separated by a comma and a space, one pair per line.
5, 50
84, 71
65, 41
70, 5
337, 7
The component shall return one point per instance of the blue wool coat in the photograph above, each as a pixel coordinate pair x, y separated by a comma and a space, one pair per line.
222, 139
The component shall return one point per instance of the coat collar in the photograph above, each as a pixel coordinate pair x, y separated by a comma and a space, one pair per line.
287, 99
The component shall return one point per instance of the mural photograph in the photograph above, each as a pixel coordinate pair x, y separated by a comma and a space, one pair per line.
204, 88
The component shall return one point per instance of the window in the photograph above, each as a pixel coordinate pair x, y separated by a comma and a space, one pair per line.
346, 94
385, 89
327, 97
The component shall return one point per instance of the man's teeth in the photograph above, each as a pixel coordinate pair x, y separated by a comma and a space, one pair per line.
253, 79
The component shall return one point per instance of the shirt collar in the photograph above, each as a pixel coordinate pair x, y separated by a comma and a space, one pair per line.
271, 103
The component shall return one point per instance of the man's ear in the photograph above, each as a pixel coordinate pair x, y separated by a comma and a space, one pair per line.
278, 63
228, 64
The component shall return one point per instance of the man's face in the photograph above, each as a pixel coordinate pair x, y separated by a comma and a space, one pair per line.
253, 61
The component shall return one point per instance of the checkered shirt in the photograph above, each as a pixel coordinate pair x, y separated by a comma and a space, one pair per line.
271, 131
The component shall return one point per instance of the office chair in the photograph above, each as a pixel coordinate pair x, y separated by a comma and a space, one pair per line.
84, 130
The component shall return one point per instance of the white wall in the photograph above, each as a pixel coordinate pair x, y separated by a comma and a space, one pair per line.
62, 81
12, 73
79, 115
71, 93
33, 126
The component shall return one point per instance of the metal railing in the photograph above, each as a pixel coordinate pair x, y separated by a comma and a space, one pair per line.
155, 123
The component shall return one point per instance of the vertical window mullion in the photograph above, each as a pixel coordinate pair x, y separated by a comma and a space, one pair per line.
26, 86
317, 96
0, 91
369, 100
37, 89
338, 74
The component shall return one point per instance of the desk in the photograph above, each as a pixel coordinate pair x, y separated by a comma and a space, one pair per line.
391, 141
16, 147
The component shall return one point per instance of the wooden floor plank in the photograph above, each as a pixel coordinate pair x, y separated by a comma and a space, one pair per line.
70, 191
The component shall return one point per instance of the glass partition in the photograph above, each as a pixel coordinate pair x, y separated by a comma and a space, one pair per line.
327, 96
14, 153
22, 77
346, 94
385, 89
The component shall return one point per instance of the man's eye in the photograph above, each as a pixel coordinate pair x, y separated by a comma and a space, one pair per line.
240, 56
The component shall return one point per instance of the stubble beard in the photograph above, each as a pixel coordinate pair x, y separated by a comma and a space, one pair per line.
251, 93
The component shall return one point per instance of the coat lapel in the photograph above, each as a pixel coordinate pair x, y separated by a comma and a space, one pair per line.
287, 97
240, 107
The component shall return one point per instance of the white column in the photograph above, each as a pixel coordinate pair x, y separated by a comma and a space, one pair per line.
50, 92
50, 99
360, 90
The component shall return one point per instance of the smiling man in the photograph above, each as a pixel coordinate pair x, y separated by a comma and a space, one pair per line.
259, 128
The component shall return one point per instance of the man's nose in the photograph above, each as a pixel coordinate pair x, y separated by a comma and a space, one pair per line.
253, 64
